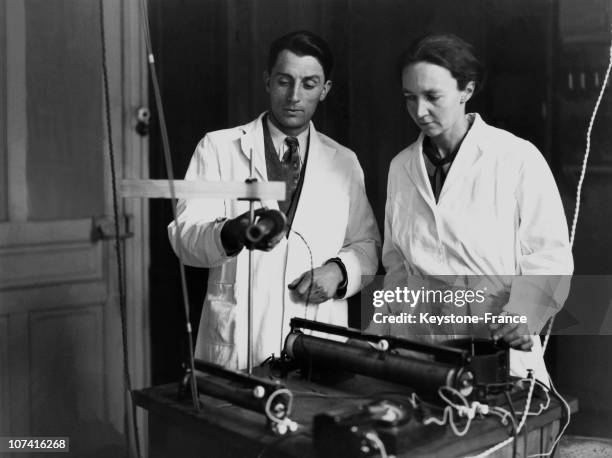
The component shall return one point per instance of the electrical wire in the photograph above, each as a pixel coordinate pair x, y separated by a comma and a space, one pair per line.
464, 410
543, 407
585, 159
501, 413
268, 405
311, 267
309, 286
567, 422
377, 443
118, 245
572, 239
588, 146
513, 418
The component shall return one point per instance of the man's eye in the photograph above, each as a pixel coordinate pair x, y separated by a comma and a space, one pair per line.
409, 97
310, 85
282, 82
433, 98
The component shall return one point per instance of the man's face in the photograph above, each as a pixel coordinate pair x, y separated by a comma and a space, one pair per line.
433, 99
296, 85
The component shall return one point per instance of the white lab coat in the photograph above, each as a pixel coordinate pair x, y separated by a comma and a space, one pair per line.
499, 222
333, 216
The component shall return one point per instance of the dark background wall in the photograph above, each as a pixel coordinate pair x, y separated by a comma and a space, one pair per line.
211, 56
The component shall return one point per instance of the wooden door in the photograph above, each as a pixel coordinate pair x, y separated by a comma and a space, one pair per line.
60, 332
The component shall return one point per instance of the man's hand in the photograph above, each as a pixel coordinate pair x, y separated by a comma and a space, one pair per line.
324, 281
516, 335
233, 233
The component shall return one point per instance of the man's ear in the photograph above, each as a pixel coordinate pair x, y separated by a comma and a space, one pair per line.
326, 88
468, 92
266, 80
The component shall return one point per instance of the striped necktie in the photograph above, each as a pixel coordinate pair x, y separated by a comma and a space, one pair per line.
291, 163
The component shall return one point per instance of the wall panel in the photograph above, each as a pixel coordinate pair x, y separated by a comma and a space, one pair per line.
64, 110
19, 372
4, 377
3, 159
38, 265
34, 254
66, 384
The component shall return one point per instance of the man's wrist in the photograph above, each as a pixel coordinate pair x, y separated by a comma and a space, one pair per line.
231, 246
341, 289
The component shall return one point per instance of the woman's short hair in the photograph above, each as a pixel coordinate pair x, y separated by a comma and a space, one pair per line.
303, 43
448, 51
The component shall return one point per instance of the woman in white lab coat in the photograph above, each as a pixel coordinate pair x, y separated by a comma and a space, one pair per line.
476, 203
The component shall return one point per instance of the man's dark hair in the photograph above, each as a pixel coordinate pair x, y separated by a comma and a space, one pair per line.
448, 51
303, 43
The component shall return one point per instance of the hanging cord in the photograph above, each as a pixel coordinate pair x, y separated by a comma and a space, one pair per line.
309, 287
311, 267
118, 246
513, 417
604, 84
170, 172
572, 238
567, 422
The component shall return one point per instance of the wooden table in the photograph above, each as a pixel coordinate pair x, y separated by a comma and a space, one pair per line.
220, 429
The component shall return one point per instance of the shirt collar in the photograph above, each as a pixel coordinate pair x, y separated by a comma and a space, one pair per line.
278, 140
431, 168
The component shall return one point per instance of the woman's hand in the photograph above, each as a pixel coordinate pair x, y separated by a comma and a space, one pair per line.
516, 335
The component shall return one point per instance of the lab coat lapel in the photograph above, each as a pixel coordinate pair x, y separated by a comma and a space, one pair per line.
468, 157
253, 139
305, 221
318, 156
415, 167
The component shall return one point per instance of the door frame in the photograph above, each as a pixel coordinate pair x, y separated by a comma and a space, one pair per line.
128, 88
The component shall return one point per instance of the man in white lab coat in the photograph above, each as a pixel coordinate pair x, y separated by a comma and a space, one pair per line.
332, 240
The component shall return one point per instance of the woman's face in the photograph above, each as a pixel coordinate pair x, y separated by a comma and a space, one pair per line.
433, 98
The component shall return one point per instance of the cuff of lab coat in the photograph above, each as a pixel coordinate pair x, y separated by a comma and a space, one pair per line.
353, 272
217, 227
532, 300
341, 290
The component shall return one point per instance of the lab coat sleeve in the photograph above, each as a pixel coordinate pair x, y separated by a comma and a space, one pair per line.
195, 235
545, 258
361, 247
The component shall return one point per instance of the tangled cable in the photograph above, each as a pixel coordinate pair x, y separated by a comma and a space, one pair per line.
464, 410
284, 424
